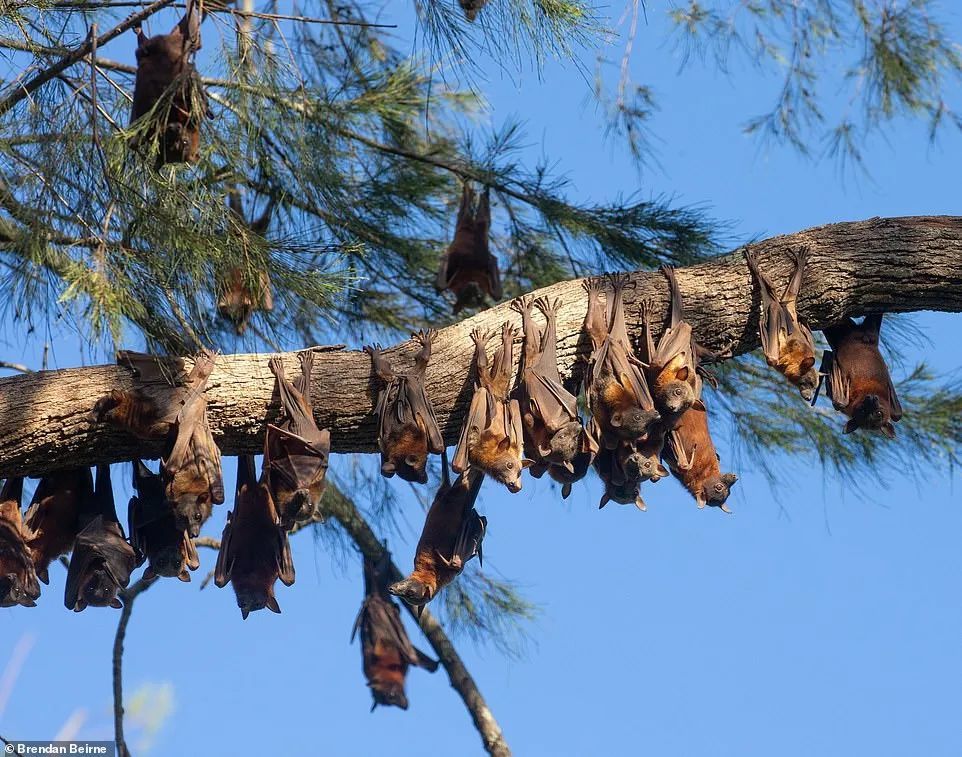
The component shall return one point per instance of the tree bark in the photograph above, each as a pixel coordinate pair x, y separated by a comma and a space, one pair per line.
878, 265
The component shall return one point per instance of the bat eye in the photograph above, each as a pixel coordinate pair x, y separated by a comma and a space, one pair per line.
509, 466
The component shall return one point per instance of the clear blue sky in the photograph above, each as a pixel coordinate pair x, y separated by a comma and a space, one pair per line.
816, 620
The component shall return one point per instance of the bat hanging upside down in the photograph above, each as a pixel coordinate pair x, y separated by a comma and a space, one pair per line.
18, 577
53, 516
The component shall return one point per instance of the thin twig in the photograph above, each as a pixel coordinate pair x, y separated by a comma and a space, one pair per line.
128, 596
15, 367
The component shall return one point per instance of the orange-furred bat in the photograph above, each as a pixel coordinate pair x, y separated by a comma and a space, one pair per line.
168, 91
692, 458
407, 427
471, 8
102, 560
52, 517
241, 298
386, 650
168, 550
491, 438
18, 577
254, 551
452, 534
467, 267
859, 384
614, 384
140, 412
786, 341
296, 451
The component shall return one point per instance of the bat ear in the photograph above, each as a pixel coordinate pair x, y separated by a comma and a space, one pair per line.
526, 463
615, 420
725, 508
245, 611
851, 426
699, 405
661, 470
565, 491
729, 479
184, 576
504, 444
605, 499
567, 466
387, 469
272, 605
807, 365
640, 504
682, 373
888, 429
149, 574
411, 461
700, 501
116, 603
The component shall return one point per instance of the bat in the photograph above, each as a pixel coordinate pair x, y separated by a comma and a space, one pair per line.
386, 650
168, 92
407, 427
471, 8
453, 533
787, 342
615, 386
296, 451
692, 458
254, 551
191, 471
53, 516
168, 550
549, 413
491, 437
859, 384
18, 578
102, 560
624, 468
240, 297
467, 267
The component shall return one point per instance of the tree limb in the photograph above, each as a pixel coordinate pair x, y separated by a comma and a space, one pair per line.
890, 265
128, 596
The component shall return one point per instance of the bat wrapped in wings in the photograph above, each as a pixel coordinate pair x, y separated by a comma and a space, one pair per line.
491, 438
240, 298
18, 577
102, 560
386, 650
53, 516
296, 451
407, 427
254, 551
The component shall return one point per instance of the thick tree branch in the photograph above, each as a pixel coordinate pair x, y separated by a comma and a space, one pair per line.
891, 265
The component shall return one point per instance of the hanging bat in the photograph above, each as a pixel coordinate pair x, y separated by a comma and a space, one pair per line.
52, 517
386, 650
471, 8
859, 384
296, 451
491, 438
692, 458
168, 92
168, 550
787, 342
467, 267
18, 578
254, 551
552, 426
624, 468
407, 427
102, 560
452, 534
191, 472
614, 384
240, 297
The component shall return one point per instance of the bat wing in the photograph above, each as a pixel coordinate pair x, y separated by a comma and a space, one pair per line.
675, 453
297, 408
225, 556
423, 412
554, 404
134, 522
838, 380
151, 369
445, 272
494, 276
298, 461
475, 423
676, 340
100, 541
285, 561
470, 537
894, 403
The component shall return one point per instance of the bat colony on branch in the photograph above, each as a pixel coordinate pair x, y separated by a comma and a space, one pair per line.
645, 404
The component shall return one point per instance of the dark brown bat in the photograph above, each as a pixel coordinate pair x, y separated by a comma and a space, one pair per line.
471, 8
786, 341
18, 577
859, 384
452, 534
296, 451
168, 92
191, 472
467, 267
102, 560
491, 438
168, 550
614, 384
386, 650
254, 551
240, 297
624, 468
407, 427
53, 515
692, 458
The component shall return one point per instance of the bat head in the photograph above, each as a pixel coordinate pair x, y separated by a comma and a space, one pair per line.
634, 422
389, 694
410, 467
625, 493
641, 467
167, 561
715, 491
677, 395
18, 590
300, 507
191, 510
566, 442
98, 590
470, 295
412, 591
253, 598
808, 380
871, 413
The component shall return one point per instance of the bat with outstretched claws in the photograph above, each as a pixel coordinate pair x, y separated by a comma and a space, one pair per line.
386, 650
296, 451
407, 427
858, 380
693, 460
168, 550
254, 550
18, 577
102, 560
53, 516
453, 533
786, 341
491, 437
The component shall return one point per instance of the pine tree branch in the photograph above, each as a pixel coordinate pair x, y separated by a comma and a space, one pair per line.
879, 265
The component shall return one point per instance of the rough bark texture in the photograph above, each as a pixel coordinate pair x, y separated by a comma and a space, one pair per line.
883, 264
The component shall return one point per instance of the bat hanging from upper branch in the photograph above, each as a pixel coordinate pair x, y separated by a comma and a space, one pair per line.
472, 8
18, 577
407, 427
467, 267
53, 515
386, 650
240, 297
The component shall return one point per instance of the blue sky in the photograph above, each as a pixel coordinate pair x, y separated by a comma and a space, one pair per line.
816, 620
